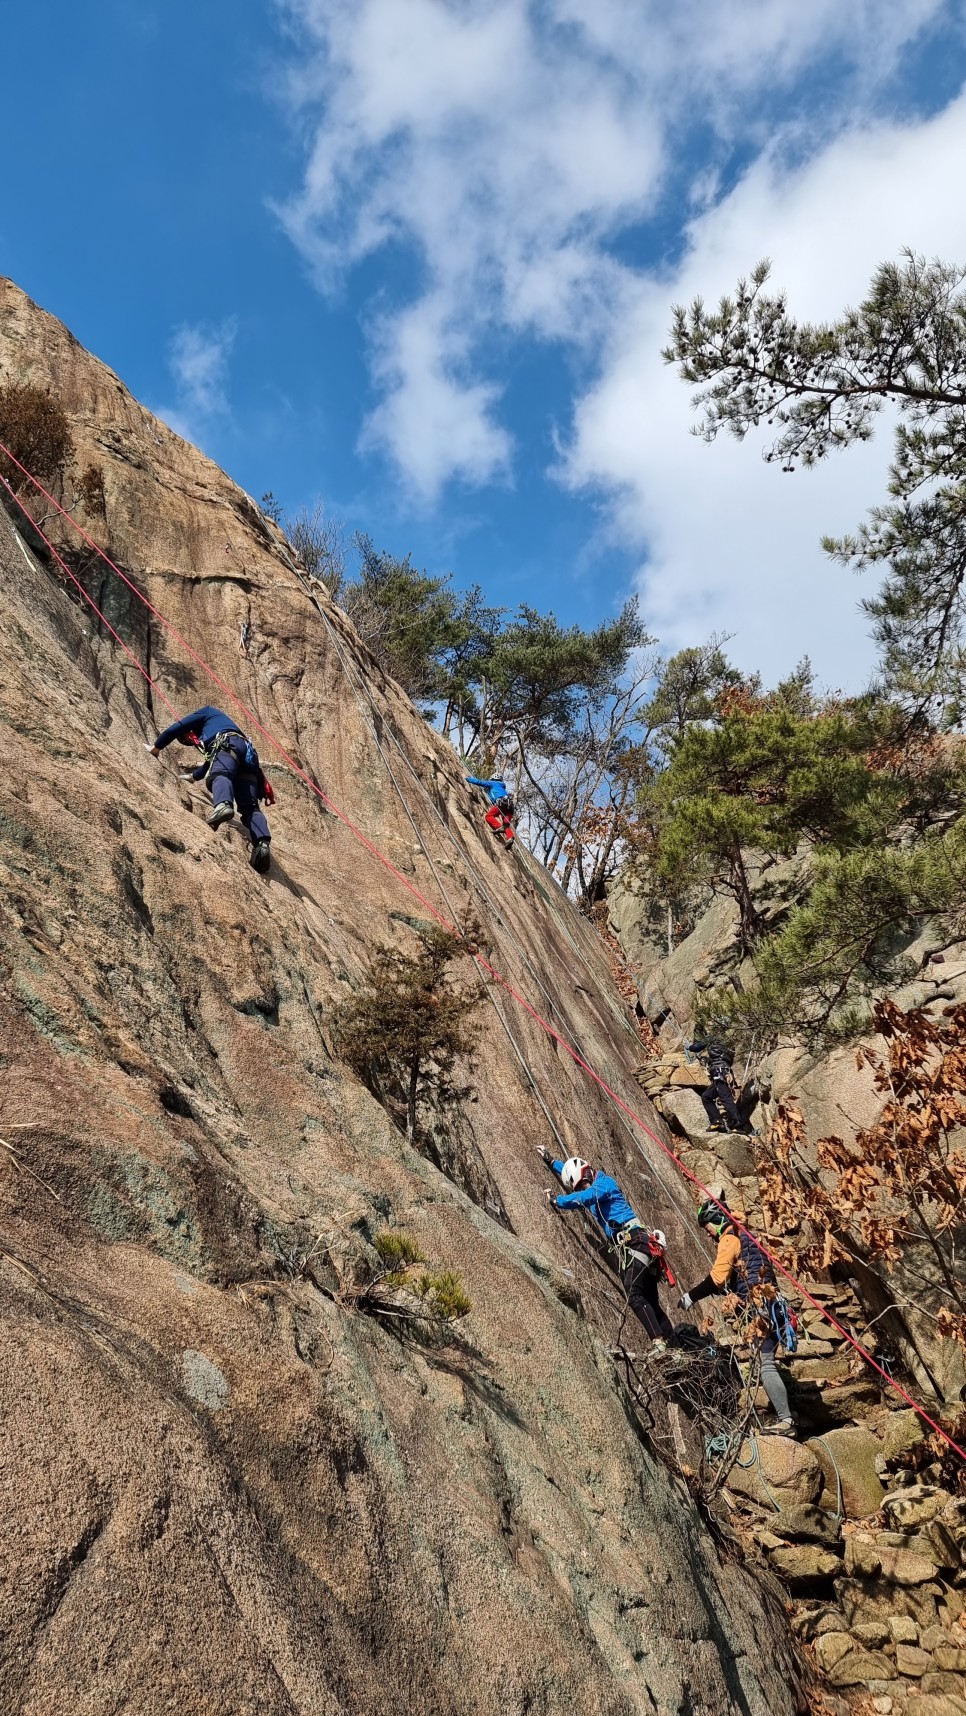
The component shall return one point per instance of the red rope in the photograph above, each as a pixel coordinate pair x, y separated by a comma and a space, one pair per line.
481, 960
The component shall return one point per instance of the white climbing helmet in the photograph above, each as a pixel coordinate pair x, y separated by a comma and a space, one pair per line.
573, 1172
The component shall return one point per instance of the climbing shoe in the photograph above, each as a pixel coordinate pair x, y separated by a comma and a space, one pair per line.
260, 857
784, 1427
221, 813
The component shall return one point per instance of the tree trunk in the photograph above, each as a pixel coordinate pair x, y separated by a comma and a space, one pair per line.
750, 921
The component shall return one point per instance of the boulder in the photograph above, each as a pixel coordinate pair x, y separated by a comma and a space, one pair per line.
913, 1661
830, 1649
906, 1567
802, 1564
832, 1369
785, 1472
852, 1453
904, 1430
688, 1077
903, 1629
913, 1506
873, 1634
860, 1666
935, 1704
862, 1560
941, 1695
937, 1541
736, 1154
808, 1524
949, 1657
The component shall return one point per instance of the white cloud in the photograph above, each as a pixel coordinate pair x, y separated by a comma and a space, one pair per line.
198, 359
733, 542
507, 145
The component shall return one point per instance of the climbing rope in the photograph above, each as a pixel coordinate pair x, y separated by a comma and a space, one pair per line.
482, 961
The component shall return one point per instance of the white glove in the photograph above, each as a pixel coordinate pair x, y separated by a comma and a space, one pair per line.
685, 1301
186, 777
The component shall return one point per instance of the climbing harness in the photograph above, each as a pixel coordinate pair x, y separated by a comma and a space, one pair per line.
481, 959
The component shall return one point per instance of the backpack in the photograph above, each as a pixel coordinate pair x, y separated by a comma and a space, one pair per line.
784, 1323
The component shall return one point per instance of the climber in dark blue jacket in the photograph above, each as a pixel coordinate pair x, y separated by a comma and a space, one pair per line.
637, 1252
234, 774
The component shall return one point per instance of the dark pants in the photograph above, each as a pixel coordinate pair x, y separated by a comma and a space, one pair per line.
719, 1092
640, 1285
232, 783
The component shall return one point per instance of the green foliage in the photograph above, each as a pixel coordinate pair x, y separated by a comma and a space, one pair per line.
37, 431
844, 942
767, 774
406, 1031
272, 508
398, 1252
822, 387
442, 1292
540, 674
445, 1294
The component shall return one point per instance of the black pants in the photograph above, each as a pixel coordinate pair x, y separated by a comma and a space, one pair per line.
719, 1092
640, 1285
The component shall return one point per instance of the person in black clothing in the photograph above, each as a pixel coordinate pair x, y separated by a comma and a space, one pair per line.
723, 1112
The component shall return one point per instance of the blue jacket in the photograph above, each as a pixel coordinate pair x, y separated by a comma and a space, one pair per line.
495, 790
603, 1199
205, 723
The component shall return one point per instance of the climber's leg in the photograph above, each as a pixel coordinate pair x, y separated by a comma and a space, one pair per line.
772, 1383
640, 1285
711, 1108
722, 1091
252, 817
221, 784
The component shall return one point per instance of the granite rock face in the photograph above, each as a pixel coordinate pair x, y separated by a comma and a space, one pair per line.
222, 1488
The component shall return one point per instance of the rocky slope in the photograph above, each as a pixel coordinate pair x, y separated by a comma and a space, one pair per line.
861, 1518
224, 1489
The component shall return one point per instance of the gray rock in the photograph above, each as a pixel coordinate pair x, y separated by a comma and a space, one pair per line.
847, 1456
861, 1666
874, 1634
804, 1563
809, 1525
912, 1661
789, 1472
203, 1380
830, 1649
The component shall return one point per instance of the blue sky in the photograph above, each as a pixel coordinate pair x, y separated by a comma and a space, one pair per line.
415, 258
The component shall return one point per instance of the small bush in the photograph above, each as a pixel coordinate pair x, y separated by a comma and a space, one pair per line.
445, 1294
36, 429
405, 1032
398, 1250
91, 490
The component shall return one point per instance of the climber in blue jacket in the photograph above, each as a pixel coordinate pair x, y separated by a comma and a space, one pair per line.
234, 774
637, 1252
495, 790
499, 817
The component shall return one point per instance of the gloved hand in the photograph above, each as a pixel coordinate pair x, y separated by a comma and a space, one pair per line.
187, 775
152, 748
550, 1196
544, 1155
685, 1301
269, 791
